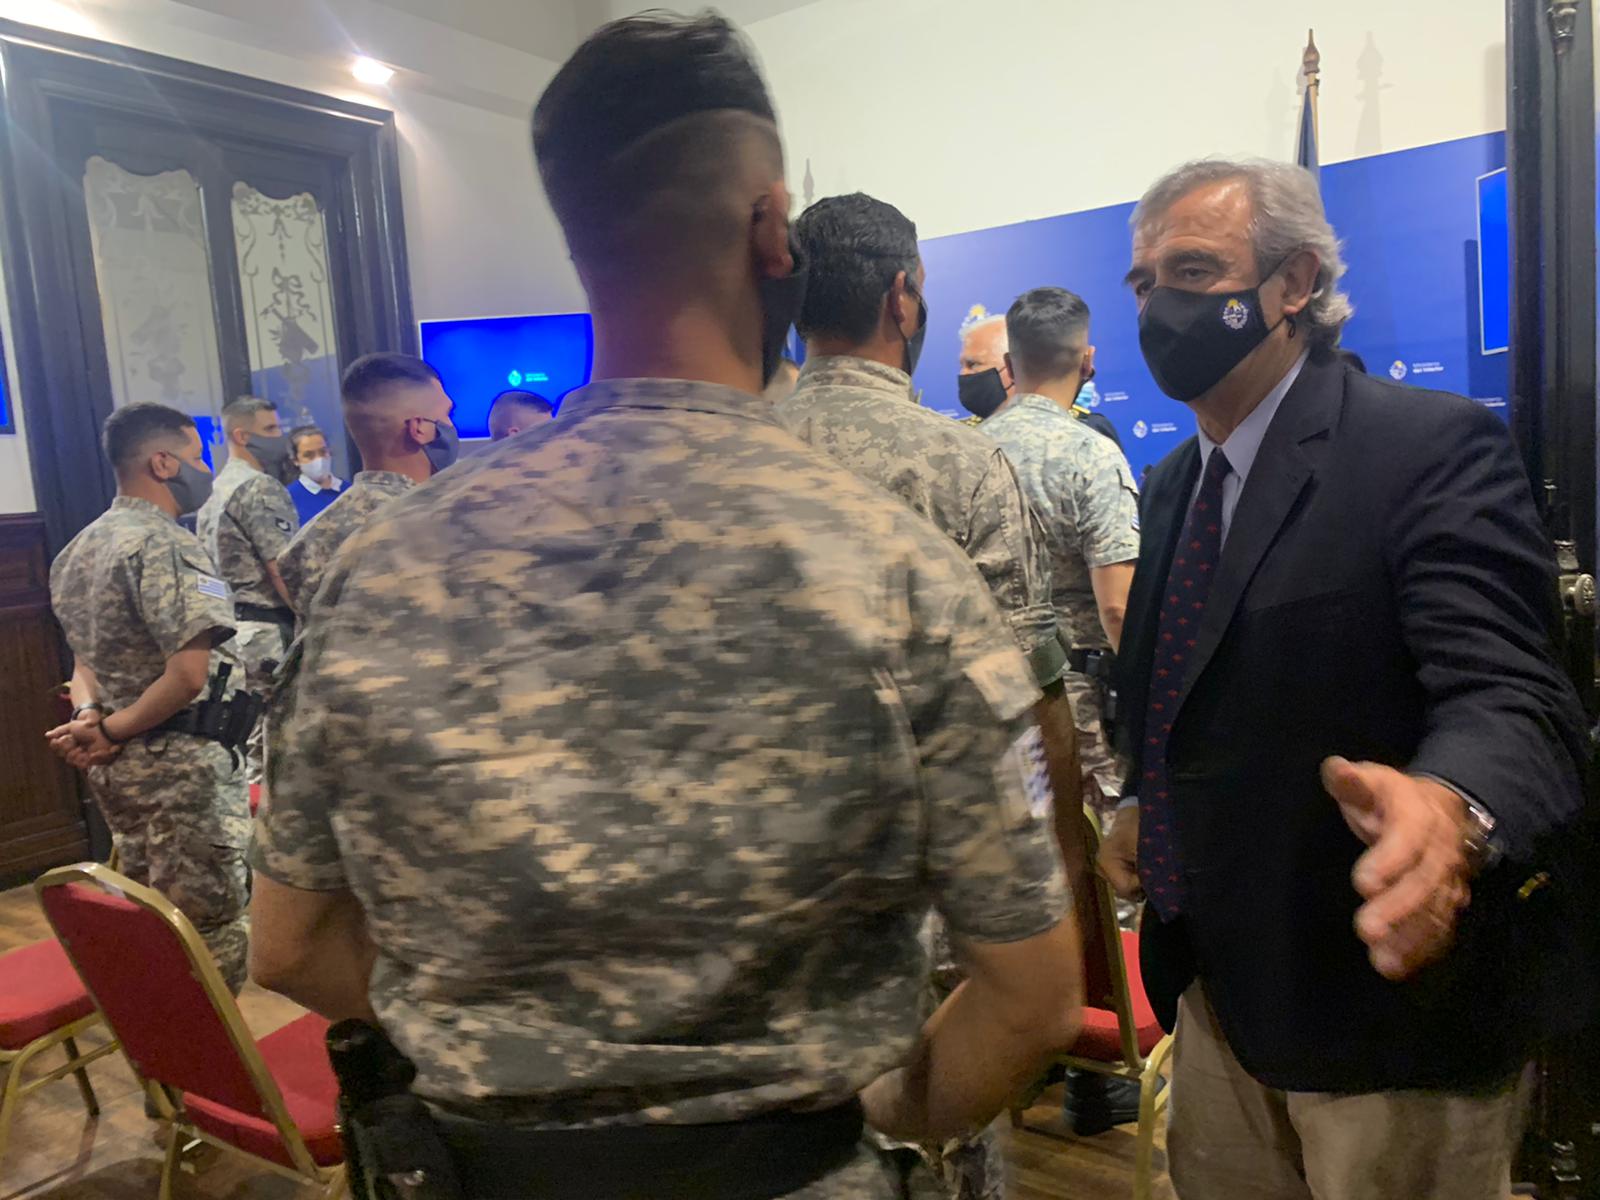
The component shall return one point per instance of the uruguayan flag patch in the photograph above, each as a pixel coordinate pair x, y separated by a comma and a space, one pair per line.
1028, 751
211, 586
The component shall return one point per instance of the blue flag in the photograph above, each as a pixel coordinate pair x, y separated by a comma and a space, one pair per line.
1305, 153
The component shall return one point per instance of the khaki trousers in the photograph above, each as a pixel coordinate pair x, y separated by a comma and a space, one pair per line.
1232, 1138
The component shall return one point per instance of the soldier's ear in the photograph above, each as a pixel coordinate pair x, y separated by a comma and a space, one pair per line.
1008, 373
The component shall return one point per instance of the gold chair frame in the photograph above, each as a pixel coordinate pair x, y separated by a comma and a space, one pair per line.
12, 1063
330, 1182
1145, 1071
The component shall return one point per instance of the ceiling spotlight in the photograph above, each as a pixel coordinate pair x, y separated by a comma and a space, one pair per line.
371, 71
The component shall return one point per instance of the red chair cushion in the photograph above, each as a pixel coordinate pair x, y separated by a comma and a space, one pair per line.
1101, 1039
298, 1060
39, 993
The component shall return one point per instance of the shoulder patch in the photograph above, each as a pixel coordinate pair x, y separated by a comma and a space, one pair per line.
1028, 752
283, 525
1136, 522
210, 585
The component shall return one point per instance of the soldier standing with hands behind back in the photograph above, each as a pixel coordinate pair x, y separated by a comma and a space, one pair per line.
245, 525
149, 625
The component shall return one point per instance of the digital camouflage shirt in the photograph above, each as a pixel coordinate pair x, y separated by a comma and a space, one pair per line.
646, 740
306, 558
131, 590
1081, 486
862, 414
246, 524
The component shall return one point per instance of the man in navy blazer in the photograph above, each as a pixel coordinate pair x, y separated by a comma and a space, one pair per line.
1356, 768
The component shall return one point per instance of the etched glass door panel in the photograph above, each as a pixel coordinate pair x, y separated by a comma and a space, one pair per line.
288, 310
153, 274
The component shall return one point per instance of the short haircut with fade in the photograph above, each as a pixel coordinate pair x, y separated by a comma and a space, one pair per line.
1048, 331
242, 410
299, 434
515, 398
643, 129
373, 374
854, 246
131, 429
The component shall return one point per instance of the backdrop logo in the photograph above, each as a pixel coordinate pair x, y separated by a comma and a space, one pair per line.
1140, 429
1235, 313
1397, 370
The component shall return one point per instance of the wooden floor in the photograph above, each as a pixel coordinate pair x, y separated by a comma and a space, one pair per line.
57, 1153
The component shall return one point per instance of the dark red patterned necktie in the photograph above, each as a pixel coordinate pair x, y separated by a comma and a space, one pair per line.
1194, 562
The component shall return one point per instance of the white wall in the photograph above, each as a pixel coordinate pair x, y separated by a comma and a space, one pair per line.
480, 237
974, 113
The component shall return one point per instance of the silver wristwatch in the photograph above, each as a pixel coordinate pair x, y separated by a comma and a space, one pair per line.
1478, 844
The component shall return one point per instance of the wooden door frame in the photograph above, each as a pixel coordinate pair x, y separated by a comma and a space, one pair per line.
59, 353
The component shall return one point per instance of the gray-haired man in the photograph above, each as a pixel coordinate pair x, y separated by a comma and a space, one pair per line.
1361, 954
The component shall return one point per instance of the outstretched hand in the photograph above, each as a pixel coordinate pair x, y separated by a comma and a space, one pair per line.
1414, 876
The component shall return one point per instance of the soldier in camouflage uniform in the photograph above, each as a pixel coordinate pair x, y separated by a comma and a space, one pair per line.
1083, 490
863, 322
634, 751
245, 525
149, 623
390, 402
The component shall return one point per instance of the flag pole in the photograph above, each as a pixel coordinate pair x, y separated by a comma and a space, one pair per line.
1311, 68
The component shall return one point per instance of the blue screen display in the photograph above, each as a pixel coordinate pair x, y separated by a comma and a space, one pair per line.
1494, 262
481, 357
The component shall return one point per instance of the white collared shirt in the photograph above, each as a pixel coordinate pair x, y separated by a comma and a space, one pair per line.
1244, 443
312, 486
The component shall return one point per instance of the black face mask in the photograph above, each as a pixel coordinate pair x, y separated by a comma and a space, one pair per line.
781, 299
981, 393
914, 342
1191, 340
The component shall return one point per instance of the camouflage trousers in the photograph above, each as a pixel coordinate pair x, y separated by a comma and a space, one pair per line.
179, 819
1102, 771
260, 645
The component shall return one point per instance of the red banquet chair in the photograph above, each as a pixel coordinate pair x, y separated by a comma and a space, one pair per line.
1121, 1036
159, 990
43, 1004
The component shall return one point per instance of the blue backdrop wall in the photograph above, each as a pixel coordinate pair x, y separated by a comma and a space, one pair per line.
1410, 226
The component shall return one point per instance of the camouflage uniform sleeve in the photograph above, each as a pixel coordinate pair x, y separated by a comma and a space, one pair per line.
178, 596
265, 511
992, 862
1108, 507
294, 843
1009, 547
294, 567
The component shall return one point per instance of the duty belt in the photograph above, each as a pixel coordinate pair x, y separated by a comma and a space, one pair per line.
1096, 664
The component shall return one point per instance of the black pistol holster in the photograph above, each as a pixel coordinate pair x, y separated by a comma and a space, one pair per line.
227, 722
393, 1147
1101, 667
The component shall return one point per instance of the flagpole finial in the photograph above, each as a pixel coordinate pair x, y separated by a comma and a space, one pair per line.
1311, 60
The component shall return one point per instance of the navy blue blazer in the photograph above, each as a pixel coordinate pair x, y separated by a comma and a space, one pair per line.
1386, 592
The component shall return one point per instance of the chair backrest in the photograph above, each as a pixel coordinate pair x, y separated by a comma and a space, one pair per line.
1105, 973
159, 989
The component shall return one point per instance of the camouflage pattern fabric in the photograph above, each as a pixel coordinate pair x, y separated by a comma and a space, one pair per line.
131, 590
646, 740
308, 554
179, 816
247, 523
1081, 486
1103, 770
1084, 492
862, 414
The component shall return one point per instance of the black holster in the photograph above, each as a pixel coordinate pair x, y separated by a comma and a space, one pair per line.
227, 722
393, 1147
1101, 667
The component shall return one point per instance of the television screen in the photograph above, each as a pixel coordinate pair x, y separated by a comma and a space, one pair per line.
478, 358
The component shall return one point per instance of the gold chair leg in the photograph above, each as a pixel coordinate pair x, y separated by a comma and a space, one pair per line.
85, 1089
1144, 1147
338, 1186
169, 1166
8, 1101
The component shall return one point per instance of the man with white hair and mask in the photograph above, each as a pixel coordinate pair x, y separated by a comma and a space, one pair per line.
1356, 787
